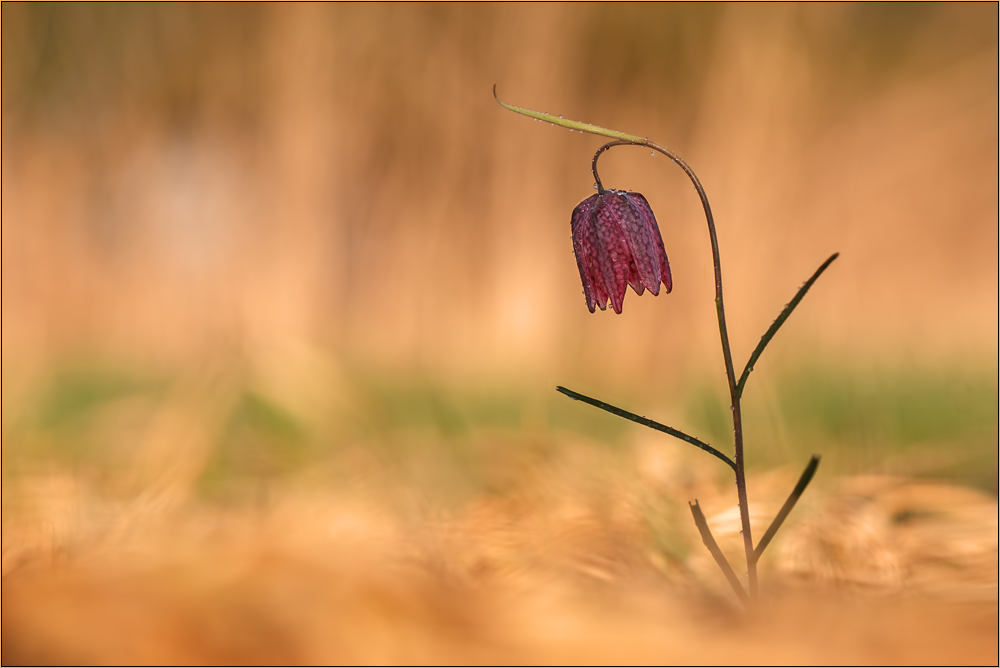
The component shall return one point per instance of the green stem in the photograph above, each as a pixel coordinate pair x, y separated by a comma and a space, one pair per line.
727, 355
624, 138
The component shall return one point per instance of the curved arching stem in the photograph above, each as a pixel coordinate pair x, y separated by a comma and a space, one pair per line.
621, 139
734, 394
593, 165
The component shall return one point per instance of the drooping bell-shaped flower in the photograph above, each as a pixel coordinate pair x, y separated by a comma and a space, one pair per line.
617, 243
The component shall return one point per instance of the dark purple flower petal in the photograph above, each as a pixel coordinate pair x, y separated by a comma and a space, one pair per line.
633, 278
617, 244
640, 245
584, 231
612, 250
655, 243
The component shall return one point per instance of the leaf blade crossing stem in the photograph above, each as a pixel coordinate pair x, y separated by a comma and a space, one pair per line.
646, 422
713, 547
778, 322
793, 498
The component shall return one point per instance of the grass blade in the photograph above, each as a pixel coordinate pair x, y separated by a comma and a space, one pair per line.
804, 480
779, 321
713, 547
572, 125
638, 419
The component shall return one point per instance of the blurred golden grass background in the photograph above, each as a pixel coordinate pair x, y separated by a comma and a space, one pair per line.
283, 285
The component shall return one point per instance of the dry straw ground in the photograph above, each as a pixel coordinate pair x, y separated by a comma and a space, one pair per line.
590, 561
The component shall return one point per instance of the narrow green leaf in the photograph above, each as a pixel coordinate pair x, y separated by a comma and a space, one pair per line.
779, 321
638, 419
572, 125
713, 547
793, 498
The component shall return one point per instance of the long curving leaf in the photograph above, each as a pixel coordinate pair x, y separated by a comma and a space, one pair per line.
800, 487
713, 547
779, 321
572, 125
646, 422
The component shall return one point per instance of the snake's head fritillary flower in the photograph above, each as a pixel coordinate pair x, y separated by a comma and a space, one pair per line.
617, 243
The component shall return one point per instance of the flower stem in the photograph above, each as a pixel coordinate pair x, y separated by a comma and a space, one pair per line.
720, 309
621, 138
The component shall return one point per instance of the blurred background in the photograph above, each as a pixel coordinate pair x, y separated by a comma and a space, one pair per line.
250, 250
